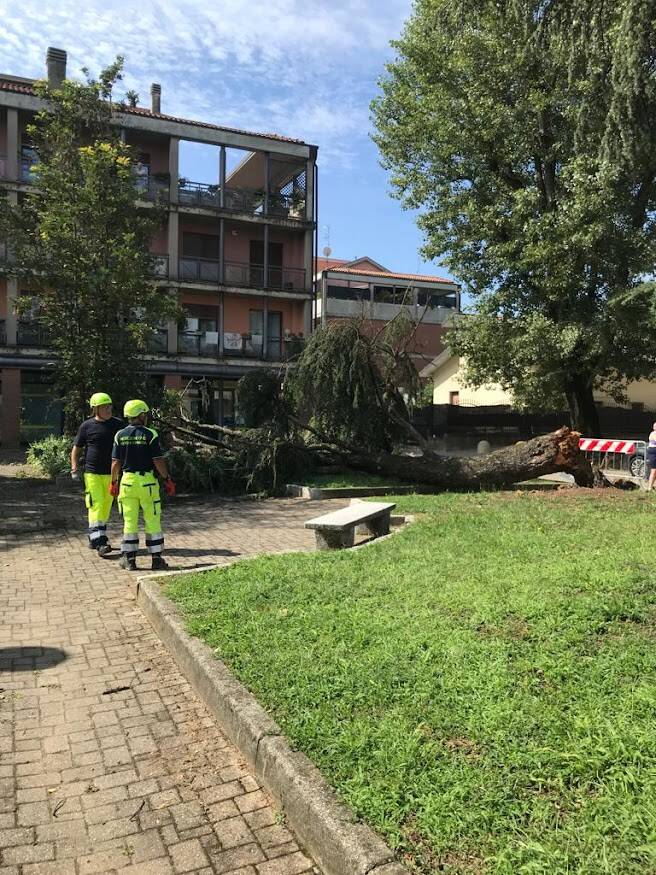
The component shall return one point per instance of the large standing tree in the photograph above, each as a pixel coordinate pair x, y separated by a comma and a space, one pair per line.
524, 131
80, 247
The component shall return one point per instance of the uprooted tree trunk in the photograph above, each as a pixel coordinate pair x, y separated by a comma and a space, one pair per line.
547, 454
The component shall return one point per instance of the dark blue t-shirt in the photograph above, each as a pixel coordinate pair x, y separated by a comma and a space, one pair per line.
135, 447
97, 437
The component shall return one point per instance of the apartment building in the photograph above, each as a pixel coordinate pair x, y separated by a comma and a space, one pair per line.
363, 287
238, 253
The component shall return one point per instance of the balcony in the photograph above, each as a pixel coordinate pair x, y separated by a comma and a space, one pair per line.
159, 266
236, 345
241, 200
152, 188
30, 333
199, 194
244, 274
199, 270
159, 341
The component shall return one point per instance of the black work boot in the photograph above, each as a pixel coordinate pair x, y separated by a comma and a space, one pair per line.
128, 561
93, 545
159, 563
104, 550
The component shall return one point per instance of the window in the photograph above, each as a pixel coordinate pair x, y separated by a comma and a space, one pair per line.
343, 291
200, 245
393, 295
454, 398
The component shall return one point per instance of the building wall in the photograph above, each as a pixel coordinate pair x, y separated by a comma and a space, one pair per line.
448, 378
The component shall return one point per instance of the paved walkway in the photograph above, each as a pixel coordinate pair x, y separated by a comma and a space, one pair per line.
108, 760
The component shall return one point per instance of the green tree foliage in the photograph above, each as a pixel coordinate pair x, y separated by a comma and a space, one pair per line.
349, 383
80, 247
261, 400
525, 133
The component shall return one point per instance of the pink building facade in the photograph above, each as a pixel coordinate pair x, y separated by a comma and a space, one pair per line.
237, 253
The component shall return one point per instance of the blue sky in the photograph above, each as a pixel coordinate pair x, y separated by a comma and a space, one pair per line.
306, 70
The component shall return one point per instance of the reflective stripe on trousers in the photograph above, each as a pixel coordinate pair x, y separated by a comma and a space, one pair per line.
141, 492
99, 505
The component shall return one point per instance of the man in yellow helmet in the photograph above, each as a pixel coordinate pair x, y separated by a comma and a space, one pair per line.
96, 437
138, 455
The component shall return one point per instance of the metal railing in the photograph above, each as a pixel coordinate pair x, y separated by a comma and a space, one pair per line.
199, 270
206, 343
237, 273
199, 194
159, 341
631, 462
25, 168
159, 266
151, 189
241, 200
30, 333
199, 343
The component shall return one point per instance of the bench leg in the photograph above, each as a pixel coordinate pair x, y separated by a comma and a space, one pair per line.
328, 539
380, 525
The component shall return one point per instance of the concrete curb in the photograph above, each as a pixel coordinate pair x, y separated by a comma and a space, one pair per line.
327, 829
317, 493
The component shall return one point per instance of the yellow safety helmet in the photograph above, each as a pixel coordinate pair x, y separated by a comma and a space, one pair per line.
134, 408
99, 398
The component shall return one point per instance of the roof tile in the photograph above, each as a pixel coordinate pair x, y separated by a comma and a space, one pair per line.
22, 88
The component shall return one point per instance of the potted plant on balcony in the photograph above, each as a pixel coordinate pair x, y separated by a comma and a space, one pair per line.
297, 208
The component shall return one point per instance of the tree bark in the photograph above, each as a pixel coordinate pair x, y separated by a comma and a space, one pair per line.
584, 416
547, 454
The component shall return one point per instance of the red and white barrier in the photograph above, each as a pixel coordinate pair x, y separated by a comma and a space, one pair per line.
601, 445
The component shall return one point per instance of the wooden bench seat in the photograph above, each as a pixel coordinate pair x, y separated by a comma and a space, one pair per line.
337, 529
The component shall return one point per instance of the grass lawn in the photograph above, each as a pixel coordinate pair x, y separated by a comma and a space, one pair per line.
481, 688
346, 479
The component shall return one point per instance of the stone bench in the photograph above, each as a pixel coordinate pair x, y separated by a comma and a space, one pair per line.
336, 530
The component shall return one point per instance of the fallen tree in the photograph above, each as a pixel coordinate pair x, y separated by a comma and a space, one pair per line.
346, 404
265, 462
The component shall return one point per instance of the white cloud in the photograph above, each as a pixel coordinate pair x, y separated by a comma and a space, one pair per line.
305, 70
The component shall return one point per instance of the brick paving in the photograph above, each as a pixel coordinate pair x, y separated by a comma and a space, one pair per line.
108, 760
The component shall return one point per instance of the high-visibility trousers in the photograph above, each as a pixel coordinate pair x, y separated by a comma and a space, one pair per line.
99, 504
141, 491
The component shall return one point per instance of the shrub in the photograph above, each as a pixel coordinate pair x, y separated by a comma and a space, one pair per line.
197, 470
51, 455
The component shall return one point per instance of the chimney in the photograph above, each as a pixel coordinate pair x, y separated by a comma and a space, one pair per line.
156, 97
56, 66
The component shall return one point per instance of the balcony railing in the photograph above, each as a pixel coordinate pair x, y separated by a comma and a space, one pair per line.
159, 266
238, 273
199, 194
199, 270
199, 343
30, 333
236, 345
241, 273
159, 341
151, 189
25, 165
241, 200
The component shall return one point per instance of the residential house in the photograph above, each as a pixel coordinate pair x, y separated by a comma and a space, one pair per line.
364, 288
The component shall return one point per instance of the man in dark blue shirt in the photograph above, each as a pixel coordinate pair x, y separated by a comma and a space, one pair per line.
138, 455
96, 437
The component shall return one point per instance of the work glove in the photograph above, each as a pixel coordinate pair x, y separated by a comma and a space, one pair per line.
169, 487
113, 489
75, 475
